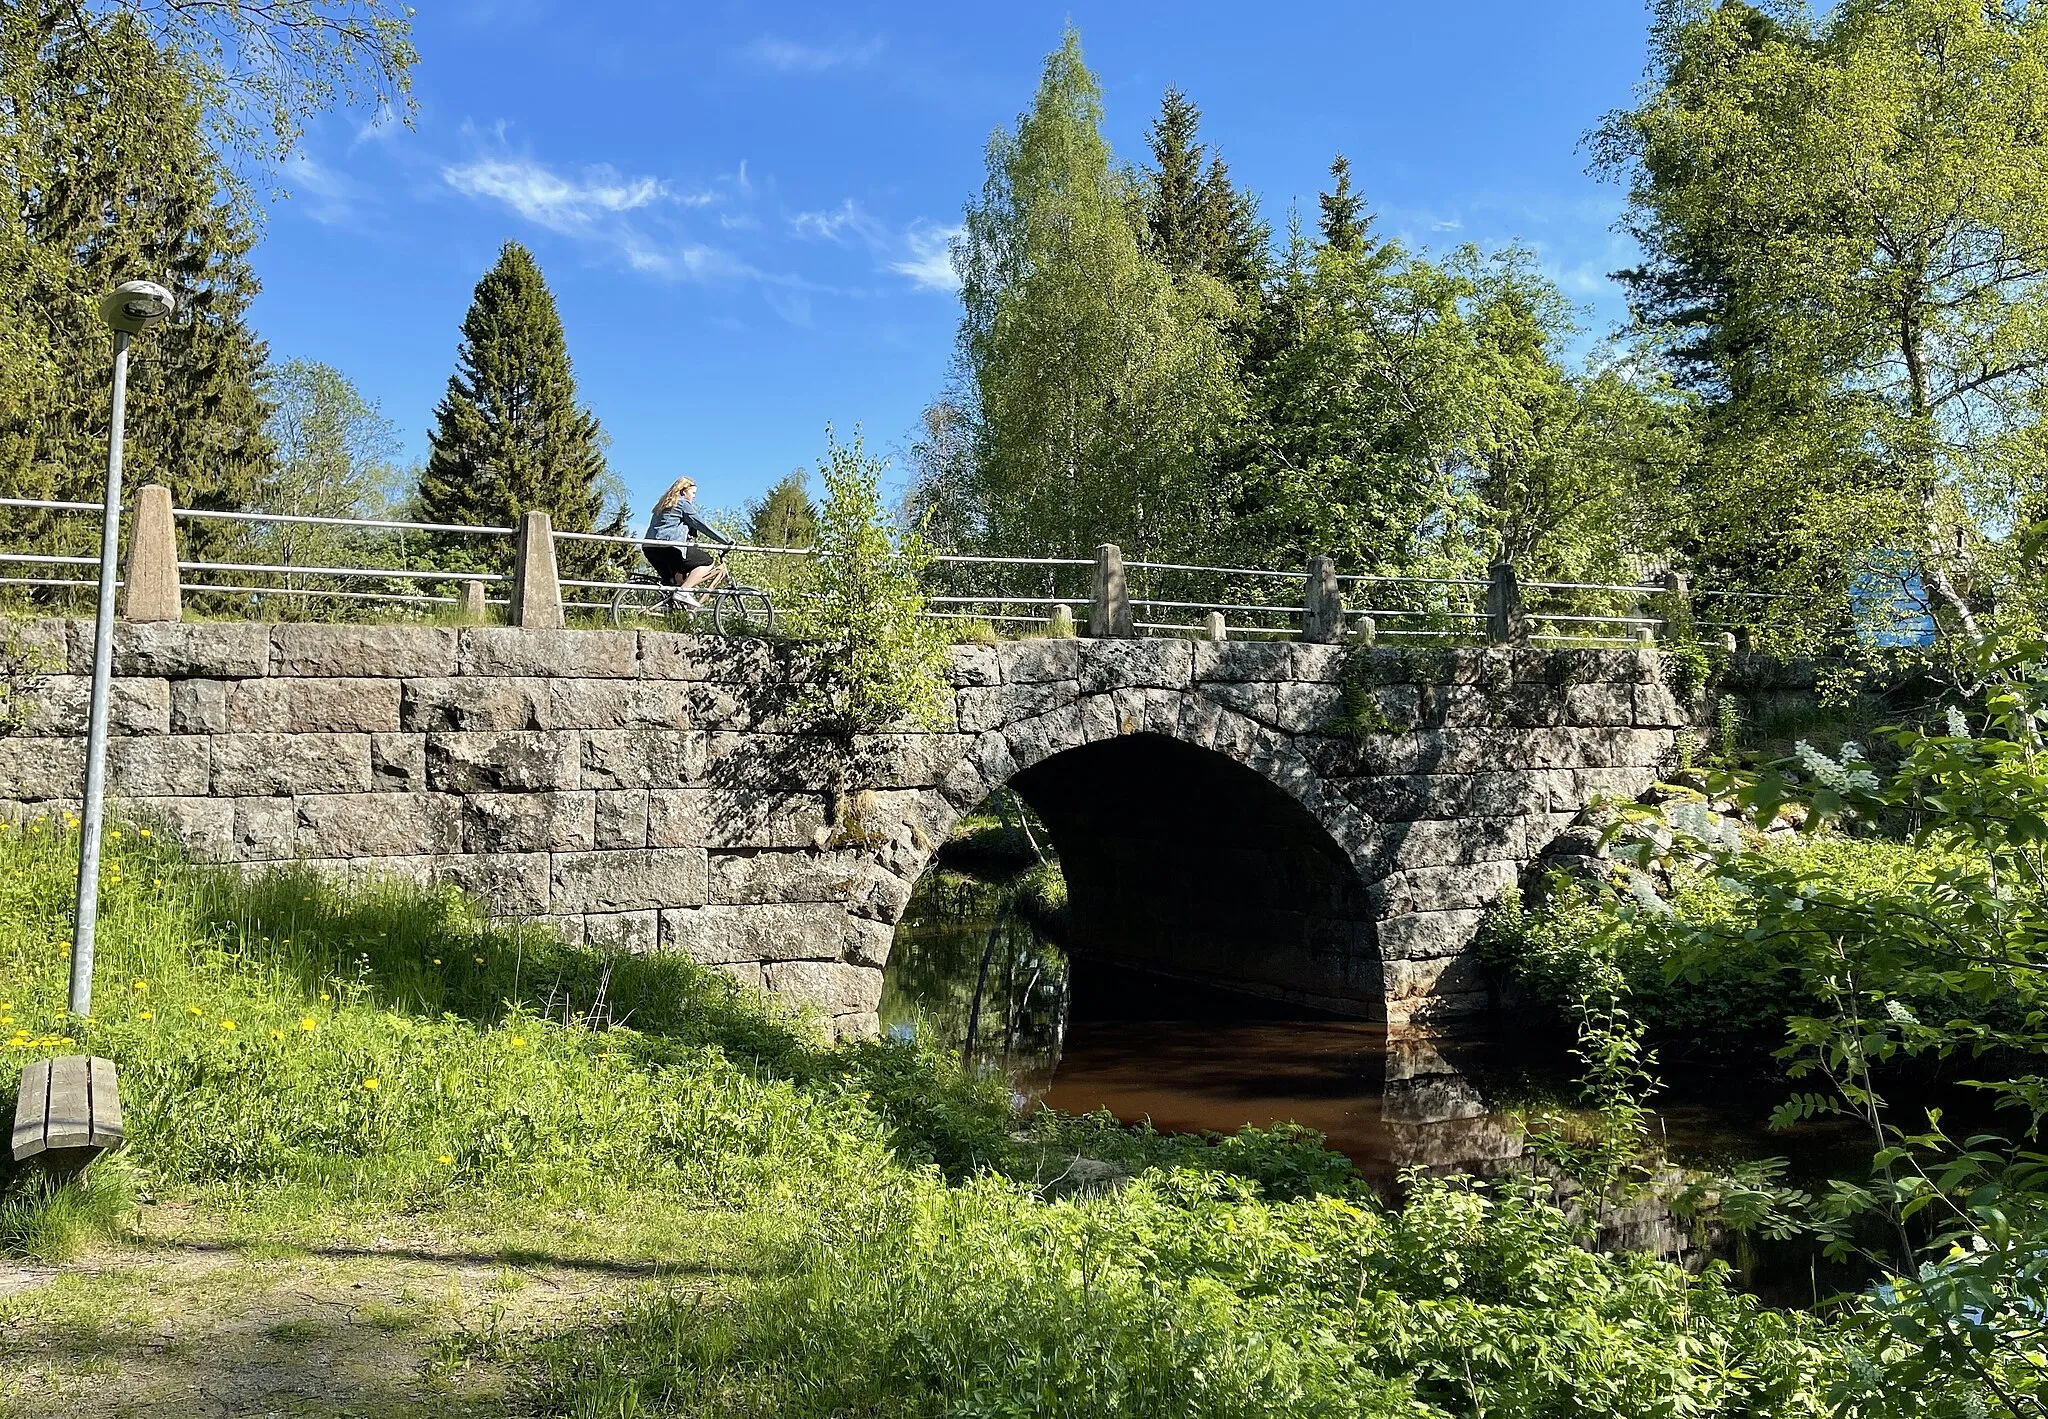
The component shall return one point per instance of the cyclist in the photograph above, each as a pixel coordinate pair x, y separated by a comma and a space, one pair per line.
688, 567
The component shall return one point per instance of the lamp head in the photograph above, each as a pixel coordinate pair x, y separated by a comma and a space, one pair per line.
136, 306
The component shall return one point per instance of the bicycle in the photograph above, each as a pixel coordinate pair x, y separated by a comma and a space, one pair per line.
735, 608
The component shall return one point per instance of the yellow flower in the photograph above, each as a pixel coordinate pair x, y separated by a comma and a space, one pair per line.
149, 1014
277, 1034
192, 1010
227, 1024
113, 835
519, 1042
323, 995
145, 832
446, 1159
369, 1083
307, 1025
437, 960
479, 960
142, 985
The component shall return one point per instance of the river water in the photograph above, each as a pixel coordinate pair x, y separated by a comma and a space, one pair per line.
1080, 1034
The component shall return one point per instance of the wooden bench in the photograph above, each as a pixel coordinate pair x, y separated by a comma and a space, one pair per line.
69, 1112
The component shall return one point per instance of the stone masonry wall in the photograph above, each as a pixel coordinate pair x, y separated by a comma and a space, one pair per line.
651, 790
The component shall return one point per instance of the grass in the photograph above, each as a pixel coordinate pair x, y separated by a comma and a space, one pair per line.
859, 1229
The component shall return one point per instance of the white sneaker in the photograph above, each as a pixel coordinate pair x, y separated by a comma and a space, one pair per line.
684, 598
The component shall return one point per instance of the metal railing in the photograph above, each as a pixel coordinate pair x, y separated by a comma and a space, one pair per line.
1110, 595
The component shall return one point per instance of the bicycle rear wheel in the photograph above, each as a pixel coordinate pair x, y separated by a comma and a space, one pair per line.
742, 611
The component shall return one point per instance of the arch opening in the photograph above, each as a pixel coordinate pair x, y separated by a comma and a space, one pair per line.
1182, 862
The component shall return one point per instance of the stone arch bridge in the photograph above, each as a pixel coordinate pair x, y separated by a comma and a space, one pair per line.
650, 789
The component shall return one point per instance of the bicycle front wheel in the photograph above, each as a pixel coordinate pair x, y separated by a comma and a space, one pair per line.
642, 605
742, 611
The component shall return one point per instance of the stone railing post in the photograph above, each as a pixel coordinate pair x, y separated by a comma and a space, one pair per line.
1366, 631
1109, 609
1061, 626
150, 590
1674, 611
1217, 631
1322, 606
473, 602
536, 586
1504, 624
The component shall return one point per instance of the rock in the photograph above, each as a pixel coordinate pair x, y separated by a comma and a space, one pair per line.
356, 652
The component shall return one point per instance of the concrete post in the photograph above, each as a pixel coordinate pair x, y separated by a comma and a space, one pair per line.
150, 589
1216, 628
1728, 640
1109, 610
1645, 637
1322, 607
1365, 630
1504, 624
1061, 626
536, 587
473, 602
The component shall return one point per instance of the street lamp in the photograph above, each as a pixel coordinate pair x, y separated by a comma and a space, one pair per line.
130, 308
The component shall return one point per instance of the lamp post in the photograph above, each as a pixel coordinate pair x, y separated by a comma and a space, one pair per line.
130, 308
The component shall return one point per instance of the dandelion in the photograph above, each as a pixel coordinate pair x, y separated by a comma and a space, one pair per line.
370, 1084
277, 1035
145, 832
149, 1014
479, 960
227, 1024
307, 1025
113, 835
437, 960
143, 986
323, 995
192, 1010
519, 1042
446, 1159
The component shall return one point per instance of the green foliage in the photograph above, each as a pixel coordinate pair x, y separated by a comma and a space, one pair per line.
509, 436
874, 659
784, 516
108, 173
1096, 384
1186, 1294
1842, 210
48, 1219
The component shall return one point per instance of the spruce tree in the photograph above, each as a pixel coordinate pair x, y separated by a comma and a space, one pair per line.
111, 177
784, 516
1345, 221
1195, 218
509, 435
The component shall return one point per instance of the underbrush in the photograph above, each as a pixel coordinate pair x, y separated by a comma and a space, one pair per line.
1730, 1005
304, 1055
1188, 1294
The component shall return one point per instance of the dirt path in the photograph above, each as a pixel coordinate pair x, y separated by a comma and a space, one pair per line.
384, 1328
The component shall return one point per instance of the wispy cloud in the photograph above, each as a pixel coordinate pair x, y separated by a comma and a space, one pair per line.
327, 196
929, 262
547, 199
922, 251
785, 56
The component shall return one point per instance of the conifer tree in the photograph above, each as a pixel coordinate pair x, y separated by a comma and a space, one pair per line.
509, 435
111, 177
1195, 218
784, 516
1345, 222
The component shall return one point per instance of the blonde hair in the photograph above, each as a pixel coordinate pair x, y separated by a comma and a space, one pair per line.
677, 491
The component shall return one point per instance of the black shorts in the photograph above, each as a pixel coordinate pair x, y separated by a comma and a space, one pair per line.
670, 561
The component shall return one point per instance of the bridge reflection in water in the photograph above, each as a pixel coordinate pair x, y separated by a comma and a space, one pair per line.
1080, 1034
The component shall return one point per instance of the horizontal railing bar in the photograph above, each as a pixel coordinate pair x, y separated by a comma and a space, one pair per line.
964, 616
47, 581
396, 572
1585, 640
49, 559
1415, 580
1203, 630
386, 524
1016, 561
618, 541
1600, 620
1001, 601
1217, 606
328, 591
1592, 586
51, 506
1218, 571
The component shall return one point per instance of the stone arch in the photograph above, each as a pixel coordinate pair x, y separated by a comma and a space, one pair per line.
1198, 842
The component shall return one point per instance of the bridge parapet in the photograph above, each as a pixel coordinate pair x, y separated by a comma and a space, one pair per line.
1315, 821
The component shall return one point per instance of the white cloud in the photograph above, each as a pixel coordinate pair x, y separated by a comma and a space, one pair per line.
836, 224
546, 198
791, 57
929, 260
328, 197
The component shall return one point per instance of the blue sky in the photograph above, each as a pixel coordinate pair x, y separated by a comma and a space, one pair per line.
743, 209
